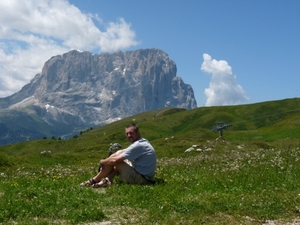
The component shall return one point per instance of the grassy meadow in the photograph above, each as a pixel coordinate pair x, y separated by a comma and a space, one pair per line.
252, 176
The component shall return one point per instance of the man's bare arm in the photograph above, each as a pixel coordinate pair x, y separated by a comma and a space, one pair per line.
114, 159
119, 152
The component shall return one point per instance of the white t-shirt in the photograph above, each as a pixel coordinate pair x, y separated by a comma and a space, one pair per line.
143, 157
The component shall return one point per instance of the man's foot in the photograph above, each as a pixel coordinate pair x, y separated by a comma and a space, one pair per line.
88, 183
103, 183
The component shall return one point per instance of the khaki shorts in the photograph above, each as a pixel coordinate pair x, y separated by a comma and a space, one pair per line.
129, 175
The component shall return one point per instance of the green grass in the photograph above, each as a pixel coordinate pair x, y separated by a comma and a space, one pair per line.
251, 177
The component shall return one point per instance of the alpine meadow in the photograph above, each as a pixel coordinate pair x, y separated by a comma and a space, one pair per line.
249, 175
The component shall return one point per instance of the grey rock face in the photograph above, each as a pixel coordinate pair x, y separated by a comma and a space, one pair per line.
82, 89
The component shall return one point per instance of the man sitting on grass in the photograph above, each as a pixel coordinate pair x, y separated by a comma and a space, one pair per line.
135, 164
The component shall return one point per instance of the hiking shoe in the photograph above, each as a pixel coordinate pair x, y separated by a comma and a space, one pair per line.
103, 183
88, 183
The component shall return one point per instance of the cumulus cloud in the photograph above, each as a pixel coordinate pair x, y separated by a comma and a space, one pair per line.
223, 89
32, 31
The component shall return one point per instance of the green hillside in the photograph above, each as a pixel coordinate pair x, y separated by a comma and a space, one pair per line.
267, 122
248, 177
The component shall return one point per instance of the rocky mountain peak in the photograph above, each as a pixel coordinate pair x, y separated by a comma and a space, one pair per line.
82, 89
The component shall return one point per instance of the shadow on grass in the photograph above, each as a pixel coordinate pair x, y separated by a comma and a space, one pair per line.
158, 181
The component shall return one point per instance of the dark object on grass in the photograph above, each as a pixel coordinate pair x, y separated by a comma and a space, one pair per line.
113, 148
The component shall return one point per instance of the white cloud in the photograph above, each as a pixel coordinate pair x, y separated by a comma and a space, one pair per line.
32, 31
223, 89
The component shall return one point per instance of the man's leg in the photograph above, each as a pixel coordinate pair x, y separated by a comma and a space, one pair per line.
104, 172
112, 175
107, 181
126, 173
129, 175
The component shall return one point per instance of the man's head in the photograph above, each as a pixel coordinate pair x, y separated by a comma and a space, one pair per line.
132, 132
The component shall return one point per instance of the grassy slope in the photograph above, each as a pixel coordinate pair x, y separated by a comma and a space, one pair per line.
251, 177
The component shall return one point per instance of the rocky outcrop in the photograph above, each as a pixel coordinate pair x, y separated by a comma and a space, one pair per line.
84, 89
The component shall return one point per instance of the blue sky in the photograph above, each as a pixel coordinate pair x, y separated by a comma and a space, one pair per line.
230, 52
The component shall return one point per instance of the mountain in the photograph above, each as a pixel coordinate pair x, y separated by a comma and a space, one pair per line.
80, 89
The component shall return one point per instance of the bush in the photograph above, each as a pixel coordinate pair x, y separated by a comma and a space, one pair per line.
5, 160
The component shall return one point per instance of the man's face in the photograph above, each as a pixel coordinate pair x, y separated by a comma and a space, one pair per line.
131, 134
